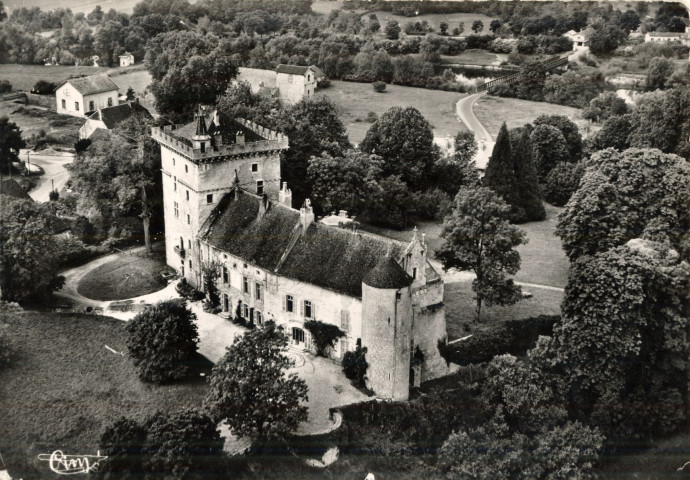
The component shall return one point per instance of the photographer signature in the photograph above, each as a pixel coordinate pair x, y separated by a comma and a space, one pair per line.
72, 464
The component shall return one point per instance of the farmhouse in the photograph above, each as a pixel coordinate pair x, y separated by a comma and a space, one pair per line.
80, 96
126, 59
290, 82
224, 203
666, 37
580, 39
109, 117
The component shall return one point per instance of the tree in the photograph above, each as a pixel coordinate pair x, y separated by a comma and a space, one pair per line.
658, 73
11, 142
606, 39
570, 132
477, 26
392, 30
605, 106
162, 341
443, 28
500, 171
5, 86
211, 272
28, 252
3, 13
625, 195
124, 443
355, 365
623, 310
250, 387
477, 236
131, 95
494, 26
549, 149
615, 133
461, 28
527, 195
405, 141
379, 86
562, 182
324, 335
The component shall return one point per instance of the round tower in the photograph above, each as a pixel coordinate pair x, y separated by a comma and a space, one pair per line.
386, 328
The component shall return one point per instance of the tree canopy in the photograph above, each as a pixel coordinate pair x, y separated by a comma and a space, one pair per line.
250, 386
10, 142
477, 236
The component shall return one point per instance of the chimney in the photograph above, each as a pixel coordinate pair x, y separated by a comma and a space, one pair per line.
306, 215
263, 206
239, 138
285, 195
342, 213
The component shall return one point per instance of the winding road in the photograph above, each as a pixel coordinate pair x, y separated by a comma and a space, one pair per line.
53, 164
465, 113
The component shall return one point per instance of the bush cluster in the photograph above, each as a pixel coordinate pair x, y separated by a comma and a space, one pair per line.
355, 366
188, 292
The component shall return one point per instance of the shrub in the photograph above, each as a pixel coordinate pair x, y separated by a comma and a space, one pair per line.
371, 117
44, 87
211, 272
162, 340
513, 337
53, 195
82, 144
323, 335
5, 86
355, 366
562, 181
379, 86
186, 291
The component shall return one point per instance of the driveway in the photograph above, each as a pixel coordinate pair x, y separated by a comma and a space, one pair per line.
465, 113
53, 164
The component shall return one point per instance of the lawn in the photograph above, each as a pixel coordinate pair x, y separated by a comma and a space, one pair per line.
31, 121
355, 100
435, 19
85, 6
24, 77
493, 111
64, 386
124, 277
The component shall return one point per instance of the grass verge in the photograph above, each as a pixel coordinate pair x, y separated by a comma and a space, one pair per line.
63, 387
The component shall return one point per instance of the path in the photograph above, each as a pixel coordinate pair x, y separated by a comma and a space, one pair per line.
53, 164
464, 111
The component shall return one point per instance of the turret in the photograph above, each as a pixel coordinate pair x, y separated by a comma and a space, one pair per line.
387, 328
201, 138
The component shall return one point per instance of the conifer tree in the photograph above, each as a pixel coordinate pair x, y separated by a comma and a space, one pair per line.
527, 182
500, 171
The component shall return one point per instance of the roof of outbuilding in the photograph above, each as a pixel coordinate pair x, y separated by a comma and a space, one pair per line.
387, 274
11, 188
292, 69
328, 257
92, 84
111, 116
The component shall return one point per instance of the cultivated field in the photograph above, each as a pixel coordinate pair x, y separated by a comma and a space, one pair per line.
355, 100
493, 111
64, 387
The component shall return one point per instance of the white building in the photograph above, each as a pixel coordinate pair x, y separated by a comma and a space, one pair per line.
84, 95
580, 39
666, 37
109, 117
291, 83
224, 203
126, 59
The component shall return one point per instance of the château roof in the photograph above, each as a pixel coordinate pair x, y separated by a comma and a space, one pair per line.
111, 116
229, 128
387, 274
325, 256
91, 84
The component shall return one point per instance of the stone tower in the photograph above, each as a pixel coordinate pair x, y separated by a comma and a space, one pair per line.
199, 162
387, 328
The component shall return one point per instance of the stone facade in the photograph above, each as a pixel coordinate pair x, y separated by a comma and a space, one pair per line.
291, 83
278, 263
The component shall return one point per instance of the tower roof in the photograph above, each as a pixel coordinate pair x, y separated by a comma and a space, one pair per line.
387, 274
201, 123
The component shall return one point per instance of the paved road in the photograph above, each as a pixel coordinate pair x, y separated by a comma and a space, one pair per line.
466, 115
53, 163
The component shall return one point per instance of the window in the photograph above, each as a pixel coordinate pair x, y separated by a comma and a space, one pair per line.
189, 244
414, 272
259, 187
91, 109
202, 146
246, 311
64, 104
258, 291
307, 309
289, 303
110, 101
76, 106
186, 169
255, 167
345, 320
187, 195
189, 220
245, 285
259, 318
173, 162
209, 198
177, 209
226, 277
175, 185
190, 264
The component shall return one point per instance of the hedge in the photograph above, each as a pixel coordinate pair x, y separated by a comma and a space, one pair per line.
513, 337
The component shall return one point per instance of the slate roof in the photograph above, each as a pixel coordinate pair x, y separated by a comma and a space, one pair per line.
229, 128
111, 116
387, 274
292, 69
667, 34
91, 84
11, 188
328, 257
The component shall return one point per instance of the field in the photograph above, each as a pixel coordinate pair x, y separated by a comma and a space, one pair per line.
493, 111
85, 6
124, 277
355, 100
31, 121
64, 386
435, 19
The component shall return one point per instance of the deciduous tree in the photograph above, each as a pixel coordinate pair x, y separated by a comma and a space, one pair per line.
549, 149
570, 132
392, 30
162, 340
10, 142
477, 236
250, 386
477, 26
